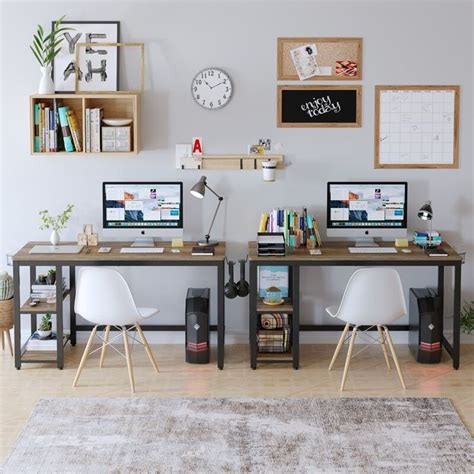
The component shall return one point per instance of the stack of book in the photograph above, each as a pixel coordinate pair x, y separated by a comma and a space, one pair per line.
35, 343
422, 238
299, 229
274, 335
93, 129
273, 340
56, 128
43, 292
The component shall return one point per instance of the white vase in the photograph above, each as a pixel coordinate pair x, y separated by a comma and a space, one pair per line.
46, 85
54, 239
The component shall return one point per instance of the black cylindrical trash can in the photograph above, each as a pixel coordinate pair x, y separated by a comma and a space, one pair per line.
197, 326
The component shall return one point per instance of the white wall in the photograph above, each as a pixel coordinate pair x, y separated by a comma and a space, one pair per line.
404, 43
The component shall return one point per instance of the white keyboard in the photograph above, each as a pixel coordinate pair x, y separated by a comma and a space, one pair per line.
142, 250
372, 250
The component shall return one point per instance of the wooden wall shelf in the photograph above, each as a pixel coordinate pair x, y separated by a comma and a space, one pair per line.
233, 162
115, 105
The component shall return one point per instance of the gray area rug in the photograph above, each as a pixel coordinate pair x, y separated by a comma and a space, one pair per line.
243, 435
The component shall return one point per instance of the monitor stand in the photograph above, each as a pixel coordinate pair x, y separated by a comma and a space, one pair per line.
366, 242
143, 242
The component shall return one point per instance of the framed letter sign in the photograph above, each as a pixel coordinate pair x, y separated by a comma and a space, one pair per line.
319, 106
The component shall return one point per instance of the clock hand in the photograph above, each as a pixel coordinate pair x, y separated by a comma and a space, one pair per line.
212, 87
208, 85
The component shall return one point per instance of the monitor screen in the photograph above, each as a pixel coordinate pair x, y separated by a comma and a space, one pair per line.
143, 205
366, 205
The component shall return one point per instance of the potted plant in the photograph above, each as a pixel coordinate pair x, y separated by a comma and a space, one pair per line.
467, 317
45, 47
56, 223
42, 279
51, 277
44, 328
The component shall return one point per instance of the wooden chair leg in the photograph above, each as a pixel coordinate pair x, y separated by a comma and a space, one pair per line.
348, 358
7, 332
129, 359
395, 358
339, 345
104, 346
384, 347
147, 347
84, 356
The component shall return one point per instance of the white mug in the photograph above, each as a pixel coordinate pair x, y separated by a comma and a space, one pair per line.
269, 168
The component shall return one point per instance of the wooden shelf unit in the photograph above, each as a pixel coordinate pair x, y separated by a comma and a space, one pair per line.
42, 307
115, 105
239, 162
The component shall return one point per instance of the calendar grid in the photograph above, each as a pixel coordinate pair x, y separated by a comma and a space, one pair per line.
416, 126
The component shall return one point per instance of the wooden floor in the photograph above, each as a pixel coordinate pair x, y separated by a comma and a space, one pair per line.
368, 377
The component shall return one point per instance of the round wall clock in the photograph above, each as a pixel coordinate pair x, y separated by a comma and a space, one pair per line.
212, 88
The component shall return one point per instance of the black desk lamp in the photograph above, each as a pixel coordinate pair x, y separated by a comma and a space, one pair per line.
198, 191
426, 214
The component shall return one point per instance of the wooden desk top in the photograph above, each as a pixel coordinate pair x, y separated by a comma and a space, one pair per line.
337, 252
90, 254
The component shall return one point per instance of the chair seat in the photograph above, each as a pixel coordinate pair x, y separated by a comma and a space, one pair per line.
147, 312
332, 310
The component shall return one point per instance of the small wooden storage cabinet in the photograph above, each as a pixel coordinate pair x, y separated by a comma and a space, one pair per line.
290, 307
113, 105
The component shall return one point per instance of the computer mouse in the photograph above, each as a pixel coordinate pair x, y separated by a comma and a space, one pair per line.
175, 250
406, 250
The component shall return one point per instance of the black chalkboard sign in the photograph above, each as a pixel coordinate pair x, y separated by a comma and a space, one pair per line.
319, 106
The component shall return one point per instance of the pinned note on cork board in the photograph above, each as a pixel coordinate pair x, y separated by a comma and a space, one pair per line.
333, 59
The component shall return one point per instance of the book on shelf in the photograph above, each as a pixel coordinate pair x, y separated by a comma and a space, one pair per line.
93, 129
75, 129
273, 340
35, 343
299, 229
59, 142
36, 120
66, 131
203, 250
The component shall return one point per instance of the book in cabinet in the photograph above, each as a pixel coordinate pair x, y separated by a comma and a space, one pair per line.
124, 106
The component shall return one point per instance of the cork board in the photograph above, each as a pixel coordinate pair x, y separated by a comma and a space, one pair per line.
416, 126
329, 51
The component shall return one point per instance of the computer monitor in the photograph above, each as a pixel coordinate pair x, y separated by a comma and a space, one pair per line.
143, 210
364, 210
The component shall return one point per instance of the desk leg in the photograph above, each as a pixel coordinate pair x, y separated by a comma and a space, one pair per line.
34, 325
59, 317
16, 310
72, 300
457, 315
296, 316
220, 316
253, 314
441, 295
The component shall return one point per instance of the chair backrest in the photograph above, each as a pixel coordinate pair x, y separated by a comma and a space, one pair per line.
103, 297
373, 296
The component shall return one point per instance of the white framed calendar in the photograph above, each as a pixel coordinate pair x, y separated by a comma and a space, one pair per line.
416, 127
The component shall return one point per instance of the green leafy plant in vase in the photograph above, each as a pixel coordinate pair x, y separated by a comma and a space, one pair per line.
51, 277
467, 317
55, 223
45, 47
45, 326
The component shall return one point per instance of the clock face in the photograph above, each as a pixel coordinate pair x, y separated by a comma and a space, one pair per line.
211, 88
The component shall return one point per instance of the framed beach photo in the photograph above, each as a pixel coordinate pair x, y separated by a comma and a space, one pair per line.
98, 70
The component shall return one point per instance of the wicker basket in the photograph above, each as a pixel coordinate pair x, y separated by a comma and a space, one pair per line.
6, 314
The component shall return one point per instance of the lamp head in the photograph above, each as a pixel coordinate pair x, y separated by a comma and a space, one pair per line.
426, 211
199, 189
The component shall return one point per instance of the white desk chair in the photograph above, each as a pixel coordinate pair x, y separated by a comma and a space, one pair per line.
373, 297
104, 298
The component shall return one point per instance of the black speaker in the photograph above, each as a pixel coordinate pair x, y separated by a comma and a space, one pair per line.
426, 325
197, 326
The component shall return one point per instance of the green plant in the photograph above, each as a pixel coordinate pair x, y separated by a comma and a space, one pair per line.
467, 317
46, 47
45, 324
51, 272
58, 222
